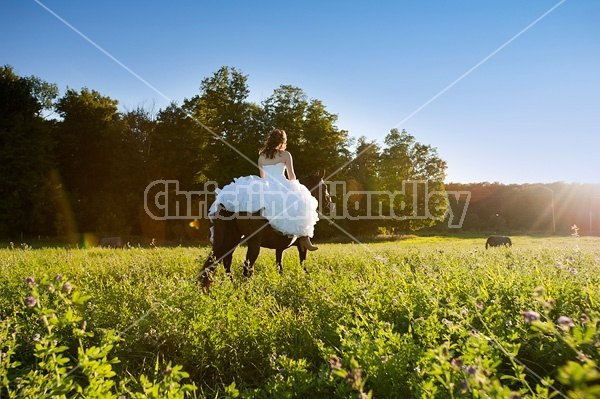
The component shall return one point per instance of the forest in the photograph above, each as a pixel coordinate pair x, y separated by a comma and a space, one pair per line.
73, 166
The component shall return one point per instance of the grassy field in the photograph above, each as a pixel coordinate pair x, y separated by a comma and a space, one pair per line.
431, 317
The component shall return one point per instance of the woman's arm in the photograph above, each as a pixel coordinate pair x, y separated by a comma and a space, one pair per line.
289, 166
261, 170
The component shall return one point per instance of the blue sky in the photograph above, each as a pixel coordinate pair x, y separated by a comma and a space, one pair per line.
529, 114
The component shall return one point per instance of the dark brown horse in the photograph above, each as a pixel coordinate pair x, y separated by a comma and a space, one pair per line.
230, 228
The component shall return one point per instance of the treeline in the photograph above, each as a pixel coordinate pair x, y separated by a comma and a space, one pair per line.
76, 167
526, 208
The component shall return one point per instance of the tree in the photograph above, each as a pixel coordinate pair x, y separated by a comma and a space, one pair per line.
89, 155
363, 177
178, 146
313, 138
412, 172
26, 154
228, 124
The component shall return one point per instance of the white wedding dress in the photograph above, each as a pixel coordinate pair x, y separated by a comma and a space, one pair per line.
288, 205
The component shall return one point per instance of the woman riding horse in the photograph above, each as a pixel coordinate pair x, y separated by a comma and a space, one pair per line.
285, 203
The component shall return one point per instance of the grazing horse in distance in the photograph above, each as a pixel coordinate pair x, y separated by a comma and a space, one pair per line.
230, 228
497, 241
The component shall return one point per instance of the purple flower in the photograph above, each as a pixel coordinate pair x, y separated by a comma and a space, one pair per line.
456, 363
464, 386
471, 370
29, 281
30, 301
335, 363
67, 288
565, 323
37, 337
531, 316
58, 277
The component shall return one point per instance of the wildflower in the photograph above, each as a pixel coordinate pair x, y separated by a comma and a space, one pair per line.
508, 323
474, 331
538, 292
456, 363
335, 362
29, 281
479, 305
565, 323
30, 301
573, 271
50, 288
569, 259
58, 277
394, 302
354, 378
584, 318
384, 359
531, 316
471, 370
464, 386
67, 288
37, 337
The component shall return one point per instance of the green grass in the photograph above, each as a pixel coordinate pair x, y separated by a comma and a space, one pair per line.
420, 317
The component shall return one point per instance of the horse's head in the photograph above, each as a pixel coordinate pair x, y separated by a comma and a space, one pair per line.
318, 189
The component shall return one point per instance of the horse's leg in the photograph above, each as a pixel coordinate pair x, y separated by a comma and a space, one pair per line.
226, 238
302, 254
279, 259
252, 254
231, 242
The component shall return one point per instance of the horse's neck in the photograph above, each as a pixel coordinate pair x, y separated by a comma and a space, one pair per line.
309, 182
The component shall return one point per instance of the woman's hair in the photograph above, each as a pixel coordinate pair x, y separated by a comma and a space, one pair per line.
276, 139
